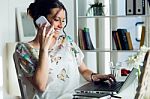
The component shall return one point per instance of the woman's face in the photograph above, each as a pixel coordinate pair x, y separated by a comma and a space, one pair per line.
57, 18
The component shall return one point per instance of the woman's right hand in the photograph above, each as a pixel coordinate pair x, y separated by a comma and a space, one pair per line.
47, 36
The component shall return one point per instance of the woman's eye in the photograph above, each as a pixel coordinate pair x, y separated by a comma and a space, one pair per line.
59, 20
56, 19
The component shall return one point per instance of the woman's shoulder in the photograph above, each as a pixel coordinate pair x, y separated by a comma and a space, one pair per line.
65, 40
22, 46
69, 38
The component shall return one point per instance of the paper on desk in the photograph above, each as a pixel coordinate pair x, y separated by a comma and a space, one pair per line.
106, 97
115, 98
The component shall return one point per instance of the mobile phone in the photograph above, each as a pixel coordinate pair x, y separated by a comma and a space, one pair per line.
42, 20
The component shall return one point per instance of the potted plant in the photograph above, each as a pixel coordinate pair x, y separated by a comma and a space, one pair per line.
97, 8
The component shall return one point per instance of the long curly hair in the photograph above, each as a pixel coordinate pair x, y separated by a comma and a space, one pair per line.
43, 8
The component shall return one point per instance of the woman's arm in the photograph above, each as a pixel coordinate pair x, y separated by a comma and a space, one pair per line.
90, 76
40, 77
85, 72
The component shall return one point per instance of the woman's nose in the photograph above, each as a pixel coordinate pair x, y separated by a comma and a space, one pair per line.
60, 24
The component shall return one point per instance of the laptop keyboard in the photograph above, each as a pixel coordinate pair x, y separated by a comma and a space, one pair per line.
106, 87
117, 85
91, 87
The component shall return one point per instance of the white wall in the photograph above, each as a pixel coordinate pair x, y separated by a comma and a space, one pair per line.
8, 29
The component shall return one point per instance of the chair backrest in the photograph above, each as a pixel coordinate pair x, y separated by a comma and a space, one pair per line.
20, 80
143, 90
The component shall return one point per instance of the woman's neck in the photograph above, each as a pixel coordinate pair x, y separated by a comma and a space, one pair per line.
34, 43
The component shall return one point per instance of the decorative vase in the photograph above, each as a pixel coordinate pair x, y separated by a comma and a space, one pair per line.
97, 11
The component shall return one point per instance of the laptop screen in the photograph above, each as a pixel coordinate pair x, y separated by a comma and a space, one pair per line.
130, 78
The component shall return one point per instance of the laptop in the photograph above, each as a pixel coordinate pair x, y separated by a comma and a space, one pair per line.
103, 87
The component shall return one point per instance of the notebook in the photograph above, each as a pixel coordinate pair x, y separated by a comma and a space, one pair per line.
105, 88
91, 95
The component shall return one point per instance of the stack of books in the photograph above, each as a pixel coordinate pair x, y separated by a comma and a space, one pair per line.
123, 41
85, 42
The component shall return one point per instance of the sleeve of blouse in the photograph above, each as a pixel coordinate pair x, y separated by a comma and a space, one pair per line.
25, 62
77, 51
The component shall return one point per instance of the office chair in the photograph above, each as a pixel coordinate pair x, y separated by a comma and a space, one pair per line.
20, 79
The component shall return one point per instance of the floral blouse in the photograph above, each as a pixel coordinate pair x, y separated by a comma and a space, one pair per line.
64, 59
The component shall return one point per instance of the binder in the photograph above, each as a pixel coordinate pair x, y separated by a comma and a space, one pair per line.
129, 41
81, 39
123, 38
117, 36
135, 7
142, 36
115, 39
88, 41
139, 7
130, 7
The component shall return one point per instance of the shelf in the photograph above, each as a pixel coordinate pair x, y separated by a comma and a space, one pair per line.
114, 16
101, 28
125, 50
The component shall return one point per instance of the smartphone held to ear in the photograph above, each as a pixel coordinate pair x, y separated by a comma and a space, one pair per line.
42, 20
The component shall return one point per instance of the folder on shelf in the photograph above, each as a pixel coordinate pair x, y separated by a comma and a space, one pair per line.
88, 41
142, 36
139, 7
129, 40
117, 36
123, 38
81, 39
130, 7
116, 40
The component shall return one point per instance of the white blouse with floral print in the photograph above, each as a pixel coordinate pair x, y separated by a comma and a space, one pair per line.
64, 59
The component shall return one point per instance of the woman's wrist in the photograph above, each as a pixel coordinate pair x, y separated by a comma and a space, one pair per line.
92, 74
44, 50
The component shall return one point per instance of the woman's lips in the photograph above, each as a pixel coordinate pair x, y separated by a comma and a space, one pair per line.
57, 30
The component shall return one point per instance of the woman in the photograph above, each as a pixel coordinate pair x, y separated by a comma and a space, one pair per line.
50, 64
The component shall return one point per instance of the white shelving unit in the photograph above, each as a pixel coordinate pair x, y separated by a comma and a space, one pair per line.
101, 28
